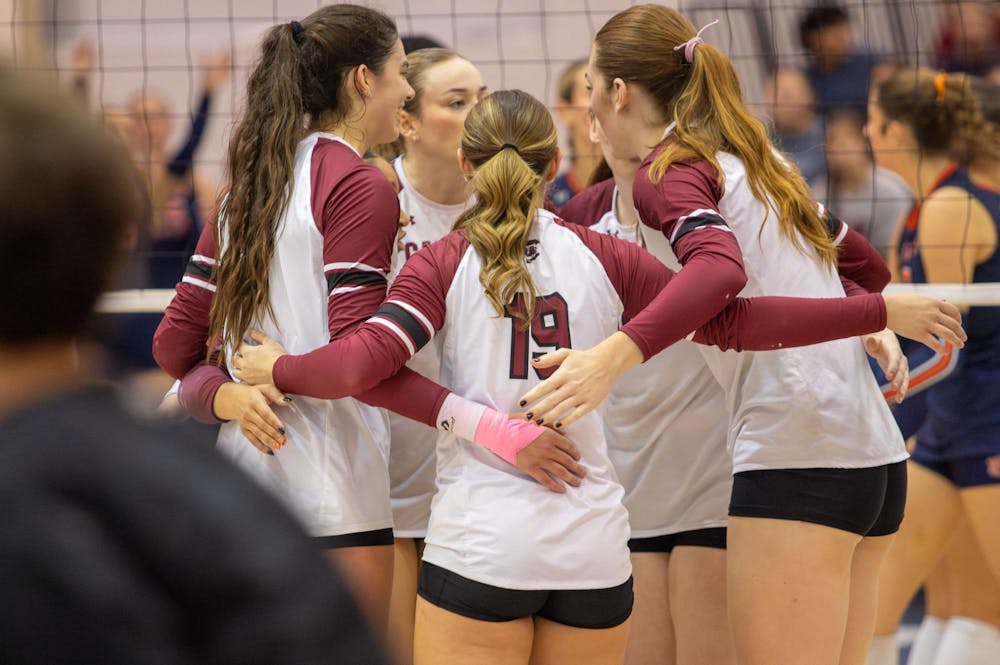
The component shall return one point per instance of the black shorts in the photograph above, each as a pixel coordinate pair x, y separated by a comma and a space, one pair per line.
714, 537
868, 502
974, 472
587, 608
358, 539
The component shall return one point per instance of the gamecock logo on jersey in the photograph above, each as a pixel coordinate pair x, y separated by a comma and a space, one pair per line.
531, 251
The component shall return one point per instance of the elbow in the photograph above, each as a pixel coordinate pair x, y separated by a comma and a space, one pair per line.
881, 276
732, 281
174, 364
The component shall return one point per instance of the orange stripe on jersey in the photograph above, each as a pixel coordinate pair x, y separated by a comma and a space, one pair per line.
935, 370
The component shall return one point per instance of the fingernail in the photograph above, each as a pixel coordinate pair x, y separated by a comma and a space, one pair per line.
281, 430
286, 398
271, 453
558, 425
522, 402
539, 421
529, 415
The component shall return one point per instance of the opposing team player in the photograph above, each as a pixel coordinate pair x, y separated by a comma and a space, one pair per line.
918, 122
512, 573
307, 233
819, 479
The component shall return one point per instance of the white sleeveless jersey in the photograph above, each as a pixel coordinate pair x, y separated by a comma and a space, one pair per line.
666, 422
411, 452
813, 406
333, 470
490, 522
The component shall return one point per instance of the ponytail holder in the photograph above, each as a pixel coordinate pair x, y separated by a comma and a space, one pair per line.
940, 86
511, 146
689, 45
297, 31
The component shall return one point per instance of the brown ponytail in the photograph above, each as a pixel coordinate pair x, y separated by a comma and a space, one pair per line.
704, 99
941, 110
298, 78
511, 140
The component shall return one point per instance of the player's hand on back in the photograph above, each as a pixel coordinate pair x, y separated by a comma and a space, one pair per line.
553, 461
253, 363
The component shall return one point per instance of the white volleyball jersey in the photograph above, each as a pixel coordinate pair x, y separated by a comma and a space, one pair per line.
490, 522
666, 421
813, 406
411, 452
332, 472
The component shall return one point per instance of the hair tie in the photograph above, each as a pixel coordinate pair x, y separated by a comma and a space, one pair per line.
511, 146
689, 45
297, 31
940, 86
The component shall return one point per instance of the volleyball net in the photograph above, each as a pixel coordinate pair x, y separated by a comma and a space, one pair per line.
149, 65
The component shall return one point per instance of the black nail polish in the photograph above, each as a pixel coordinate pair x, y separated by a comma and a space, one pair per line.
271, 453
529, 415
558, 425
539, 421
522, 402
286, 398
282, 430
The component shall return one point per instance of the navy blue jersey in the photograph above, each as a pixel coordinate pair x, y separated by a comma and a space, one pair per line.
963, 410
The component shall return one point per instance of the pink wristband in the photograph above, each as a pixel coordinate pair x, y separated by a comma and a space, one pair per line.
488, 427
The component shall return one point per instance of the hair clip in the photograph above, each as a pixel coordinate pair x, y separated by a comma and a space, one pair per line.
689, 45
940, 86
297, 31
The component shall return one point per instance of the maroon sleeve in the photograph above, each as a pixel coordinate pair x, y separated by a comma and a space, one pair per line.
180, 340
684, 207
197, 392
772, 322
590, 205
747, 324
358, 216
365, 362
859, 262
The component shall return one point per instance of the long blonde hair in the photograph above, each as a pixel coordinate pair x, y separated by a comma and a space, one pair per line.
704, 100
511, 141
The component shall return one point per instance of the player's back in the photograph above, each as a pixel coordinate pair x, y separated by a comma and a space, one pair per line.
489, 521
333, 472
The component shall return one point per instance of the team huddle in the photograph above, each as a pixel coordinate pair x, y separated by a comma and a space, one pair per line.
639, 428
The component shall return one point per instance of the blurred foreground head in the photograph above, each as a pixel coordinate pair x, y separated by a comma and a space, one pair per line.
67, 199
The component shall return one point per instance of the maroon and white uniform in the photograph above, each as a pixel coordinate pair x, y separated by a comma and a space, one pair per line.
489, 522
816, 406
411, 451
665, 419
328, 274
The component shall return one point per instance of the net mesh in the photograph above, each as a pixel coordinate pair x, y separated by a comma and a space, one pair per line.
151, 63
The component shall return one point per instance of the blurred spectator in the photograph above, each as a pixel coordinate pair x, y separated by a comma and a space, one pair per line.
970, 38
179, 197
869, 198
840, 74
121, 542
796, 128
572, 108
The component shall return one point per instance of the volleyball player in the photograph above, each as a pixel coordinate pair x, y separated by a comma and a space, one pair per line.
668, 446
819, 483
287, 250
432, 193
498, 552
918, 120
